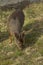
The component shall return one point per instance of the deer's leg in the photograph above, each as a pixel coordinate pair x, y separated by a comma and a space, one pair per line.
22, 39
10, 38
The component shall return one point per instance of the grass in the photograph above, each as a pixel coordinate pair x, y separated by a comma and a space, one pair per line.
33, 26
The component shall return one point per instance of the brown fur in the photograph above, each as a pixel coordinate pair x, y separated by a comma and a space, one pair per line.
20, 17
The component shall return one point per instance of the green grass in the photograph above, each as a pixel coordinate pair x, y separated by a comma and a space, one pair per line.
33, 26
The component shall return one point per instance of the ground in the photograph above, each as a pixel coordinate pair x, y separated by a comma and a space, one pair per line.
32, 54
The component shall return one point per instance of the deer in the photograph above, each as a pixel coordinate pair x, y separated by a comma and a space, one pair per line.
15, 24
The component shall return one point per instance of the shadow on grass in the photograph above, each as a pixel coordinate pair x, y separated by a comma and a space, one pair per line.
33, 32
4, 36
